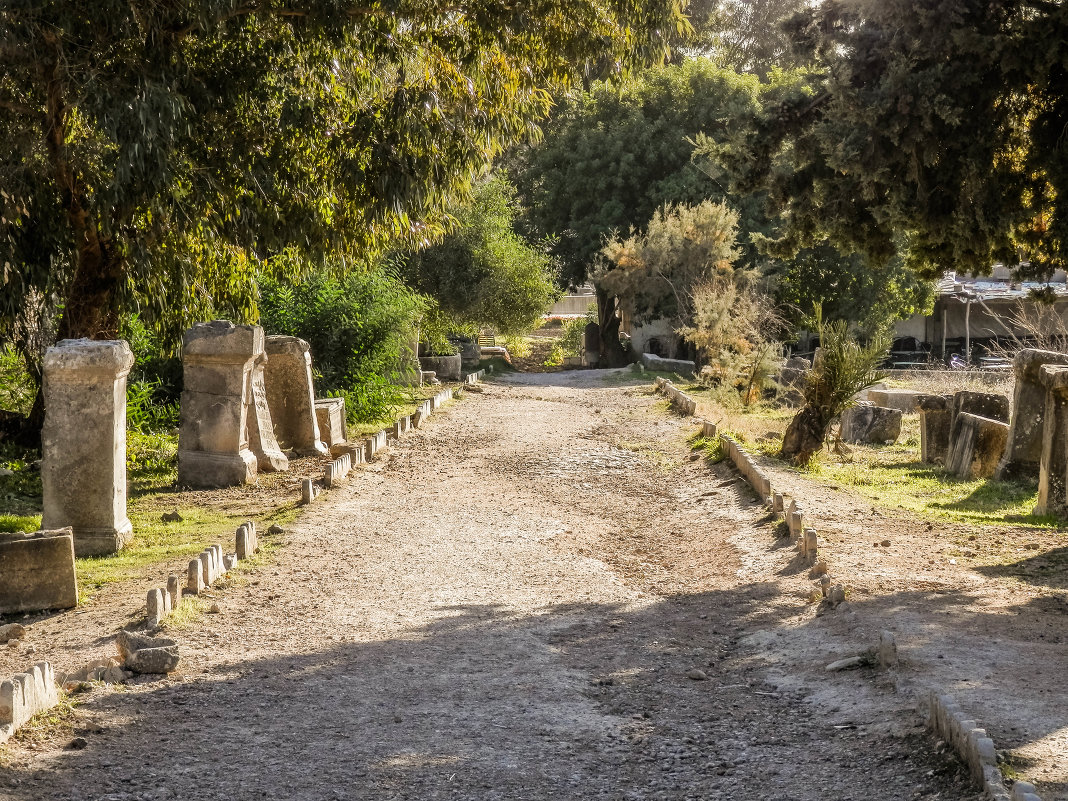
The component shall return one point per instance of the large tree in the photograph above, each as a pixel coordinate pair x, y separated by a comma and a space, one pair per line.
933, 129
155, 153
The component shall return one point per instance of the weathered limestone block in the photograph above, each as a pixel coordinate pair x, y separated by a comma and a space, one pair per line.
218, 360
936, 419
402, 426
147, 654
977, 446
154, 608
261, 439
681, 366
1023, 454
330, 414
37, 571
246, 541
903, 399
174, 590
287, 377
447, 368
307, 491
83, 443
984, 404
1052, 479
871, 424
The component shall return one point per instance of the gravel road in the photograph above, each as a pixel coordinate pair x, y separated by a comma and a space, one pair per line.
538, 595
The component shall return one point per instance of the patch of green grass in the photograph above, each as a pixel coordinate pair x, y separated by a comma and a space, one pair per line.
156, 542
187, 614
627, 377
151, 460
711, 447
20, 522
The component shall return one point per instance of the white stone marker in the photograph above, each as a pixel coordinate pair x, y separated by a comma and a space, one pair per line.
83, 469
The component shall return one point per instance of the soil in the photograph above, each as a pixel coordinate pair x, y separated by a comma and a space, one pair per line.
542, 594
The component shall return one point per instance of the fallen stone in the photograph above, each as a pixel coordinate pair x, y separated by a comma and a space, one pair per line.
696, 675
904, 400
37, 571
171, 517
849, 663
12, 631
976, 446
147, 654
653, 362
871, 424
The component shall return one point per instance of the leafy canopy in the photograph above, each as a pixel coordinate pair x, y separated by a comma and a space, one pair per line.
155, 154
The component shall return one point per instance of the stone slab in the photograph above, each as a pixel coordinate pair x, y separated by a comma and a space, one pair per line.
287, 378
976, 446
37, 572
330, 414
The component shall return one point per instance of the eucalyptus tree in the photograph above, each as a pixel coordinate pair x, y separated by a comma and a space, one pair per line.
156, 153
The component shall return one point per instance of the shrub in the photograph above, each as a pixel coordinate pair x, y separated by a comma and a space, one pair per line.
358, 326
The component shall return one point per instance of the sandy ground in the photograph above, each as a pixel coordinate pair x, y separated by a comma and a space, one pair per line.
538, 595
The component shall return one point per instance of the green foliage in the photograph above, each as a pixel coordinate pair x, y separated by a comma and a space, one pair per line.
359, 327
655, 274
483, 274
25, 523
929, 129
20, 492
152, 162
16, 387
844, 367
575, 332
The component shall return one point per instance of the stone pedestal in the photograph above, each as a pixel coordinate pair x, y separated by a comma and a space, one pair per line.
1053, 464
83, 444
218, 359
1023, 453
37, 572
287, 377
936, 419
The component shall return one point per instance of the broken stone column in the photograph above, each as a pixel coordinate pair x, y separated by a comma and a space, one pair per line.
936, 418
287, 377
871, 424
83, 443
977, 446
218, 360
1023, 453
1053, 465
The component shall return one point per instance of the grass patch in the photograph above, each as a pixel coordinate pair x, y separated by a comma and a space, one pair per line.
711, 448
187, 614
20, 522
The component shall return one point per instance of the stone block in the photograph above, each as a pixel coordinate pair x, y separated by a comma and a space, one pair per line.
871, 424
777, 502
37, 572
936, 420
206, 568
886, 653
984, 404
154, 611
904, 400
708, 429
83, 443
287, 378
330, 415
174, 590
808, 543
307, 491
195, 578
1052, 479
229, 562
25, 695
1023, 453
976, 446
218, 361
681, 366
245, 542
447, 368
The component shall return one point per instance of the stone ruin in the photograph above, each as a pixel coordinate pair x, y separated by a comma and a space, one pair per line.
871, 424
1023, 454
330, 415
291, 395
226, 434
83, 443
37, 571
1053, 464
966, 432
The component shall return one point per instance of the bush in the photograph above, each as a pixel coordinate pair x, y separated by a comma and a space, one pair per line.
17, 389
358, 327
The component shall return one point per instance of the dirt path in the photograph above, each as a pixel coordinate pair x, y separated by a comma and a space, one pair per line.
515, 604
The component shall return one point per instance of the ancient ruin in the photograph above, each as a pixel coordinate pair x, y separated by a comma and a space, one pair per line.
1053, 464
330, 417
219, 406
83, 470
1023, 454
936, 419
871, 424
976, 446
37, 571
287, 377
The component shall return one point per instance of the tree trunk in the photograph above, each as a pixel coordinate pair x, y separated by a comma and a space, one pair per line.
612, 352
804, 436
